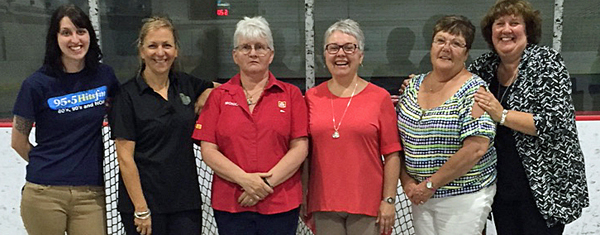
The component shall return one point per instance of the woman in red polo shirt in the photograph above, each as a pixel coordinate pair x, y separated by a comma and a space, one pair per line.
352, 124
253, 134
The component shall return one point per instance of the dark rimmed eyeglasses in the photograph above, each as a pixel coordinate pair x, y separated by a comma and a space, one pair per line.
260, 49
348, 48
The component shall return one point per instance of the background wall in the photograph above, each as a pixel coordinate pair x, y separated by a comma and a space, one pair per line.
12, 178
398, 35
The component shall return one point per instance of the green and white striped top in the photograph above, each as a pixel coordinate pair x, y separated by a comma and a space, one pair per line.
432, 136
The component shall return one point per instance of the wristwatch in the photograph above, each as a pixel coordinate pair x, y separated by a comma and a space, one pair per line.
390, 200
429, 184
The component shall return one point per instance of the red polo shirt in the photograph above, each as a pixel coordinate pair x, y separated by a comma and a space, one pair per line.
255, 141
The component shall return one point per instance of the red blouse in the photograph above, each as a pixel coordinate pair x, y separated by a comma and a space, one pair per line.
346, 173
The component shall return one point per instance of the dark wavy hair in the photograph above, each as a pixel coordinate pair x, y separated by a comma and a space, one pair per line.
456, 25
532, 18
53, 54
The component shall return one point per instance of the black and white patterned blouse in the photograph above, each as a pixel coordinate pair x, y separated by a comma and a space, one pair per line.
553, 159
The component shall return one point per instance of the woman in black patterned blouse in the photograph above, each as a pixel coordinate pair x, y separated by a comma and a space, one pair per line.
541, 174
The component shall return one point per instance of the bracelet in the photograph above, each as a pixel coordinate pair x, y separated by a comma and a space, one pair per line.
503, 118
142, 215
267, 182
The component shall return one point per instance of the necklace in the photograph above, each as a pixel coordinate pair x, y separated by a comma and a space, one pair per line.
336, 133
249, 97
512, 81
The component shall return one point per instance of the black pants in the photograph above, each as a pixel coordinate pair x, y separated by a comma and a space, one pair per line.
184, 222
252, 223
521, 217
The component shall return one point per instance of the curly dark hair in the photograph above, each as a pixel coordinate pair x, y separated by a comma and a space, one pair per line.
53, 54
533, 21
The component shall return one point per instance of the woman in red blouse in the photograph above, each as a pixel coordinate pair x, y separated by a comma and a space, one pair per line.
352, 124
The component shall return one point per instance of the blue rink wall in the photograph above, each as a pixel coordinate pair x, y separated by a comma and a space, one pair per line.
12, 178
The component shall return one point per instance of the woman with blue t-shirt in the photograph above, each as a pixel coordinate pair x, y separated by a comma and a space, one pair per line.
66, 99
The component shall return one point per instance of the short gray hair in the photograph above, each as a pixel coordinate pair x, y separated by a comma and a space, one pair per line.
349, 27
253, 28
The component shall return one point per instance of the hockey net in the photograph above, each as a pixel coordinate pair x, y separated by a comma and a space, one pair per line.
403, 223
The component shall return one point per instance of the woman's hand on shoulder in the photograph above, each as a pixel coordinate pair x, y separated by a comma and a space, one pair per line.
202, 100
489, 103
396, 98
405, 83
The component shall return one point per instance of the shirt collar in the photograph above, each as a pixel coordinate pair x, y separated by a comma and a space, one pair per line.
235, 84
143, 86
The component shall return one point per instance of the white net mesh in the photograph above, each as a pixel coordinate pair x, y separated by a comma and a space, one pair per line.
403, 225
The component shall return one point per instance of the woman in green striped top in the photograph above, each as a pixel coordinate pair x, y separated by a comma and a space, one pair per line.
449, 158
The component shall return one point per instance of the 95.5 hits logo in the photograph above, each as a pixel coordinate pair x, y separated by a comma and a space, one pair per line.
78, 101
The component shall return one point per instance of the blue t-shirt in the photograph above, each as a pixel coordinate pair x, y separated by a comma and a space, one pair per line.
68, 110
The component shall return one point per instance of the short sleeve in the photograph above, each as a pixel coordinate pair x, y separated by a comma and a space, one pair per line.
113, 86
28, 100
299, 114
206, 125
113, 89
200, 85
483, 126
388, 134
122, 117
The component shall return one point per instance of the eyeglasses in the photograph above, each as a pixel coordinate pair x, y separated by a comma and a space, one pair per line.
348, 48
455, 44
260, 49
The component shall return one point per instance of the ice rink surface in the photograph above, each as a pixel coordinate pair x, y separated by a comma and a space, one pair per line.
12, 178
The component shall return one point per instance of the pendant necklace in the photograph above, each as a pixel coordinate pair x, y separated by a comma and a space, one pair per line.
249, 96
336, 133
513, 79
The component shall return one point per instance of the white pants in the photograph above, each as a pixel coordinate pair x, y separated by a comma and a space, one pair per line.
461, 215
